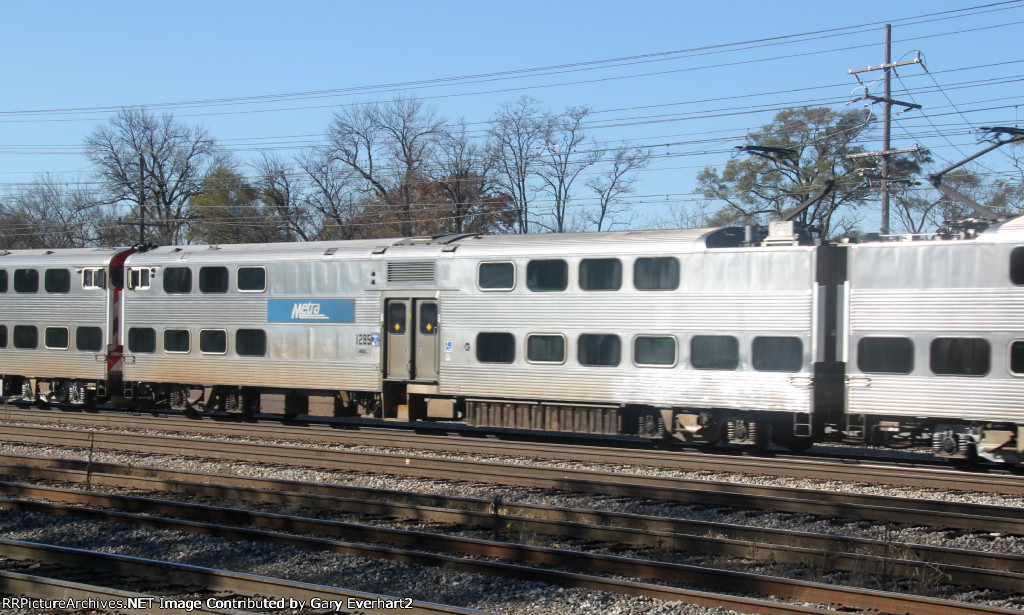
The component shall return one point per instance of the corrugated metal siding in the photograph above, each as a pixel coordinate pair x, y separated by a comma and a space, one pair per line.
955, 398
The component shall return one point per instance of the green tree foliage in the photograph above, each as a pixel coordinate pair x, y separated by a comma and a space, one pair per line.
230, 210
758, 190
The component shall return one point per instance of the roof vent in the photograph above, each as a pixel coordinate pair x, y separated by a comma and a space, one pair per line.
411, 272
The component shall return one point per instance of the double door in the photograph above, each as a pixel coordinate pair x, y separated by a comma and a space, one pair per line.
411, 338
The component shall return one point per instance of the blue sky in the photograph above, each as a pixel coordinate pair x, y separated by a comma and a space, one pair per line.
67, 66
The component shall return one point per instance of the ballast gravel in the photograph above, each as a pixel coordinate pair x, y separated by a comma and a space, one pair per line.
450, 587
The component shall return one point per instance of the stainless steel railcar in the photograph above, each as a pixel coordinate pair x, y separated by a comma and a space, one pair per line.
60, 323
702, 335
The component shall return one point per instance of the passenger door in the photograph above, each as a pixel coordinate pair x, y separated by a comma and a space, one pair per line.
411, 336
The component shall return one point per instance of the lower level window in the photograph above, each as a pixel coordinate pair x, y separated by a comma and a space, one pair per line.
599, 350
545, 348
960, 356
142, 339
26, 337
89, 339
777, 354
714, 352
213, 341
56, 338
651, 350
251, 342
495, 347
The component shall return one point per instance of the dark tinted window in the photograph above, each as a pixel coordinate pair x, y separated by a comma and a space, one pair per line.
177, 340
885, 355
428, 319
650, 350
177, 280
141, 339
396, 318
495, 348
715, 352
213, 341
600, 274
3, 280
252, 279
251, 342
56, 338
57, 281
26, 281
496, 276
777, 354
89, 338
3, 336
545, 348
660, 273
599, 350
26, 336
1017, 266
547, 275
213, 279
960, 356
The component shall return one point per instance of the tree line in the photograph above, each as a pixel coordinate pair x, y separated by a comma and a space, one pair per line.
384, 169
397, 168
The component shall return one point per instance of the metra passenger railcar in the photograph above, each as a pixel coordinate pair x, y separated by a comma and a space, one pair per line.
702, 335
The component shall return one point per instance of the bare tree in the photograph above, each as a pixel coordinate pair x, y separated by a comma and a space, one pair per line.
464, 171
281, 191
50, 214
142, 158
566, 152
329, 192
387, 145
616, 182
517, 133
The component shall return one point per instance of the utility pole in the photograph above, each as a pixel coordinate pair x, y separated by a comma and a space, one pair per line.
142, 200
887, 103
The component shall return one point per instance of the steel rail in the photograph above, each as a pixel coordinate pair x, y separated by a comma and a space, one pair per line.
209, 578
934, 513
864, 470
956, 566
803, 591
105, 599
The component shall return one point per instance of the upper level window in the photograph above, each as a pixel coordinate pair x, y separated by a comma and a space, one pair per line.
139, 278
26, 281
1017, 266
599, 350
252, 279
177, 280
213, 279
777, 354
715, 352
658, 273
94, 278
885, 355
600, 274
57, 281
654, 350
496, 276
960, 356
547, 275
495, 347
3, 280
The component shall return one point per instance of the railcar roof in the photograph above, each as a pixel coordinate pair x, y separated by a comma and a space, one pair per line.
59, 257
1011, 231
619, 242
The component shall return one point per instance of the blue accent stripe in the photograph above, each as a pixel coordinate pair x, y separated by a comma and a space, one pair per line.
311, 311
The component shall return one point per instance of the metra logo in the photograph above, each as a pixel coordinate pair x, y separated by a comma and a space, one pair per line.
307, 311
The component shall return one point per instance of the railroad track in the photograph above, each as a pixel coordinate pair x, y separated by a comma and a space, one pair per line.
461, 553
209, 590
927, 512
923, 474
